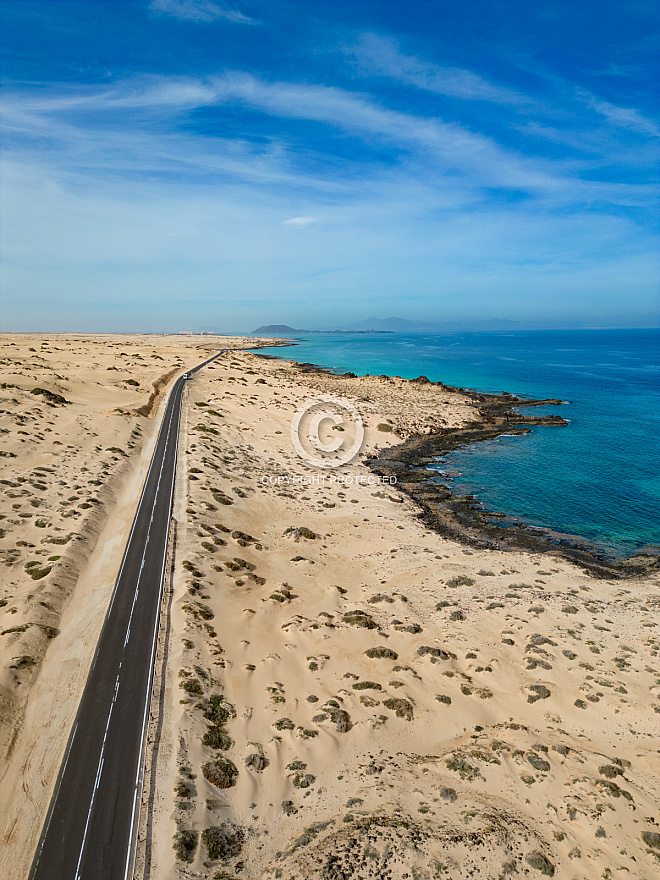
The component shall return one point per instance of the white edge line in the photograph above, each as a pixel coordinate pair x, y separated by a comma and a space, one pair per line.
139, 778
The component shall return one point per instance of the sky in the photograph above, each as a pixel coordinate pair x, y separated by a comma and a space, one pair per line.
187, 164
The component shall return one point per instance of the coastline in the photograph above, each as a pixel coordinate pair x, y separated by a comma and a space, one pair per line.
462, 517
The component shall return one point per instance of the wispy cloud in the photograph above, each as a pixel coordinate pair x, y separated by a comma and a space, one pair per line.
448, 153
300, 221
199, 10
377, 55
623, 117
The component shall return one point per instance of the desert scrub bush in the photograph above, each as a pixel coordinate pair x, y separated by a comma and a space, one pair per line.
51, 632
241, 536
222, 772
460, 581
384, 428
181, 790
222, 842
219, 711
300, 532
21, 628
248, 566
197, 610
204, 611
192, 686
49, 396
304, 733
436, 653
359, 618
460, 765
217, 738
382, 652
303, 780
284, 724
366, 686
401, 708
36, 573
185, 845
220, 497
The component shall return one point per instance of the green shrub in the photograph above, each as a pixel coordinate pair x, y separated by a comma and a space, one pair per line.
460, 581
219, 711
401, 708
382, 652
192, 686
185, 845
216, 738
222, 772
222, 842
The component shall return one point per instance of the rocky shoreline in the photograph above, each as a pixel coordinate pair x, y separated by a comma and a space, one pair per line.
462, 517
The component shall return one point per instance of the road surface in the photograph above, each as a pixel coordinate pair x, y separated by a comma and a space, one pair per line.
91, 823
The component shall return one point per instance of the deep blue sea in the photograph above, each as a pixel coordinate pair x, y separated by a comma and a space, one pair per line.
597, 478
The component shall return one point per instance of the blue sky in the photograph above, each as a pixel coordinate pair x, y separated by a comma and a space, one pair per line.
177, 164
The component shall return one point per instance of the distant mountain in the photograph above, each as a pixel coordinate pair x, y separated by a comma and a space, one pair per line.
276, 330
402, 325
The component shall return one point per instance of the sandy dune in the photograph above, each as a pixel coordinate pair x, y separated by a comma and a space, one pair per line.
349, 695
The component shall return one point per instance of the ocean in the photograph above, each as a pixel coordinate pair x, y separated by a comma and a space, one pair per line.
596, 479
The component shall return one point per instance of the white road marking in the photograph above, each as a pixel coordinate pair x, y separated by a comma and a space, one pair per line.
114, 699
100, 766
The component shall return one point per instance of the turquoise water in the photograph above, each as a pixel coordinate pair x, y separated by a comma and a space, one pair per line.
597, 478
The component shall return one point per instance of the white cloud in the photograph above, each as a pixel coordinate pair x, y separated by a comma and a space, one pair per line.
380, 56
300, 221
198, 10
624, 117
442, 155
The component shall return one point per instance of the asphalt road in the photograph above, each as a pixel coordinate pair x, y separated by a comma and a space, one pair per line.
91, 823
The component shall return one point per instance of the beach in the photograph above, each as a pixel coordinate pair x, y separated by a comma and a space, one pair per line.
344, 689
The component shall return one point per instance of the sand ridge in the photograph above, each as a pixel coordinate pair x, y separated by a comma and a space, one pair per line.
352, 695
